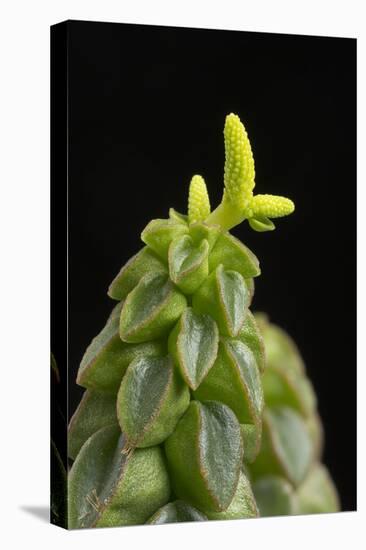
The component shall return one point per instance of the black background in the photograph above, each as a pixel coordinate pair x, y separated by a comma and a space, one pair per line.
146, 112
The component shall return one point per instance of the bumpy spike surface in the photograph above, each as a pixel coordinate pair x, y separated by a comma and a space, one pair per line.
239, 163
272, 206
198, 200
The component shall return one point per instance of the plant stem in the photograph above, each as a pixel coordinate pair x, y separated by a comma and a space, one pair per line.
226, 215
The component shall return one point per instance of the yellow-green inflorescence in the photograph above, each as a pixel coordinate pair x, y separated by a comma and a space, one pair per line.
198, 200
238, 202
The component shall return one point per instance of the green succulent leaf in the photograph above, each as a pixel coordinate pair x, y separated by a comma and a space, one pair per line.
151, 309
132, 272
200, 231
316, 433
251, 336
177, 216
243, 504
235, 380
281, 350
252, 437
95, 411
204, 456
261, 224
234, 255
176, 512
274, 496
317, 494
193, 344
286, 446
188, 264
150, 401
288, 388
225, 297
158, 234
107, 358
109, 488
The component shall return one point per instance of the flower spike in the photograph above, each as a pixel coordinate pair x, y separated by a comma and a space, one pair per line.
198, 200
238, 202
239, 163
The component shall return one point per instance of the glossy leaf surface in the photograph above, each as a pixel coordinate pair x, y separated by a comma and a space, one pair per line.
151, 309
204, 456
150, 401
193, 344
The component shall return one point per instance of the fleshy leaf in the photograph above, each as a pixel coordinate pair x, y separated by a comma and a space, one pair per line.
234, 379
243, 504
317, 494
193, 344
252, 437
176, 512
150, 401
316, 433
284, 387
95, 411
261, 224
177, 216
252, 337
286, 446
188, 264
132, 272
150, 309
107, 357
274, 496
281, 350
204, 456
225, 297
108, 488
200, 231
158, 234
233, 254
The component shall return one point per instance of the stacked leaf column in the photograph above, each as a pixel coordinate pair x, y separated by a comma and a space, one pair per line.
174, 401
287, 475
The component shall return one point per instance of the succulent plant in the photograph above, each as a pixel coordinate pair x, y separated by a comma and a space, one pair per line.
195, 409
